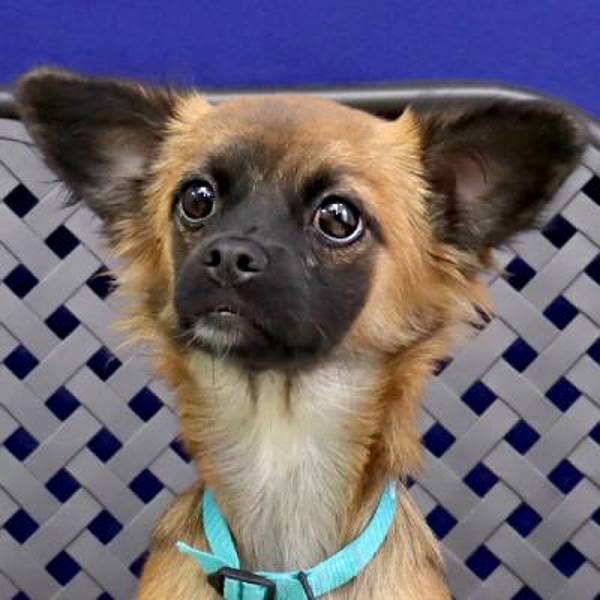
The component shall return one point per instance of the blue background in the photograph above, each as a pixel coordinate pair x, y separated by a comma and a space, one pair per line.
550, 45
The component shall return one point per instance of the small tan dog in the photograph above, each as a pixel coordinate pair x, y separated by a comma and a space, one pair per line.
300, 268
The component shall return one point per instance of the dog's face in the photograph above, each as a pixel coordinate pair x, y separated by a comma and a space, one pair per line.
274, 235
276, 231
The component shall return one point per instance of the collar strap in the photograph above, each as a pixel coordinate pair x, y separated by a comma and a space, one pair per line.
222, 563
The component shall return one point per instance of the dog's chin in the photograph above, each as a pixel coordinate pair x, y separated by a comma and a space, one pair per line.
232, 337
224, 333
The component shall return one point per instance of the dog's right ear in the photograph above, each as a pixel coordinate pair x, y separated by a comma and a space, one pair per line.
98, 135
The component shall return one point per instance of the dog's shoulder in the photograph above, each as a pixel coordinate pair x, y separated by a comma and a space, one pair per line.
169, 573
182, 521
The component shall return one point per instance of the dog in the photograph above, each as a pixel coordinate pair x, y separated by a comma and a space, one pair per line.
299, 268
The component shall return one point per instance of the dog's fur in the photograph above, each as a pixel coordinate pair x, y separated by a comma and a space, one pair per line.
298, 442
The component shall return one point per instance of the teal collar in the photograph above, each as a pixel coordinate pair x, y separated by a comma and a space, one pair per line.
222, 563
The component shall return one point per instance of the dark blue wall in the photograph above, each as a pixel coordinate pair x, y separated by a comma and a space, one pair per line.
550, 45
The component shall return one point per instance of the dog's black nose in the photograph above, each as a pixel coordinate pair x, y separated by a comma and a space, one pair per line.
230, 261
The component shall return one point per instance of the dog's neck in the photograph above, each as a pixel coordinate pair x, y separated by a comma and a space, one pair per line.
286, 454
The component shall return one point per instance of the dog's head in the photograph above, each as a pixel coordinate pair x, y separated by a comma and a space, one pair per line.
279, 230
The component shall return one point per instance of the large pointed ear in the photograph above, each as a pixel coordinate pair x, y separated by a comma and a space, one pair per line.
98, 135
492, 168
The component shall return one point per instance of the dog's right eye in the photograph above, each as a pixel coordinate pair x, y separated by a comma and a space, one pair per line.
196, 202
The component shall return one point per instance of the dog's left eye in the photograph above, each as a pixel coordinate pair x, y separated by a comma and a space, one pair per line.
196, 202
338, 220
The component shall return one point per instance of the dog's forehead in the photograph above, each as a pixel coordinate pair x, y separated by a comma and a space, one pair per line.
299, 114
286, 133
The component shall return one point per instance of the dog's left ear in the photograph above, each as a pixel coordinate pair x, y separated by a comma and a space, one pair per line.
96, 134
491, 168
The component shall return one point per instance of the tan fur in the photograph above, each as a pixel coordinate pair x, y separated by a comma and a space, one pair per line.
421, 291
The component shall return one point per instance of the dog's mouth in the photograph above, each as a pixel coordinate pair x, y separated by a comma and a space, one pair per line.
236, 332
230, 316
229, 319
226, 311
226, 328
226, 314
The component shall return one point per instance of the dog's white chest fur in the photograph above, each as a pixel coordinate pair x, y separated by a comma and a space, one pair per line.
286, 450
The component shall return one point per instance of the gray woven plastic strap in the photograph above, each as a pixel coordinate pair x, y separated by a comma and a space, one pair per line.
88, 460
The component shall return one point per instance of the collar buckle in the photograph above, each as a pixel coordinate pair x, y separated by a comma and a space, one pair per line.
217, 581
